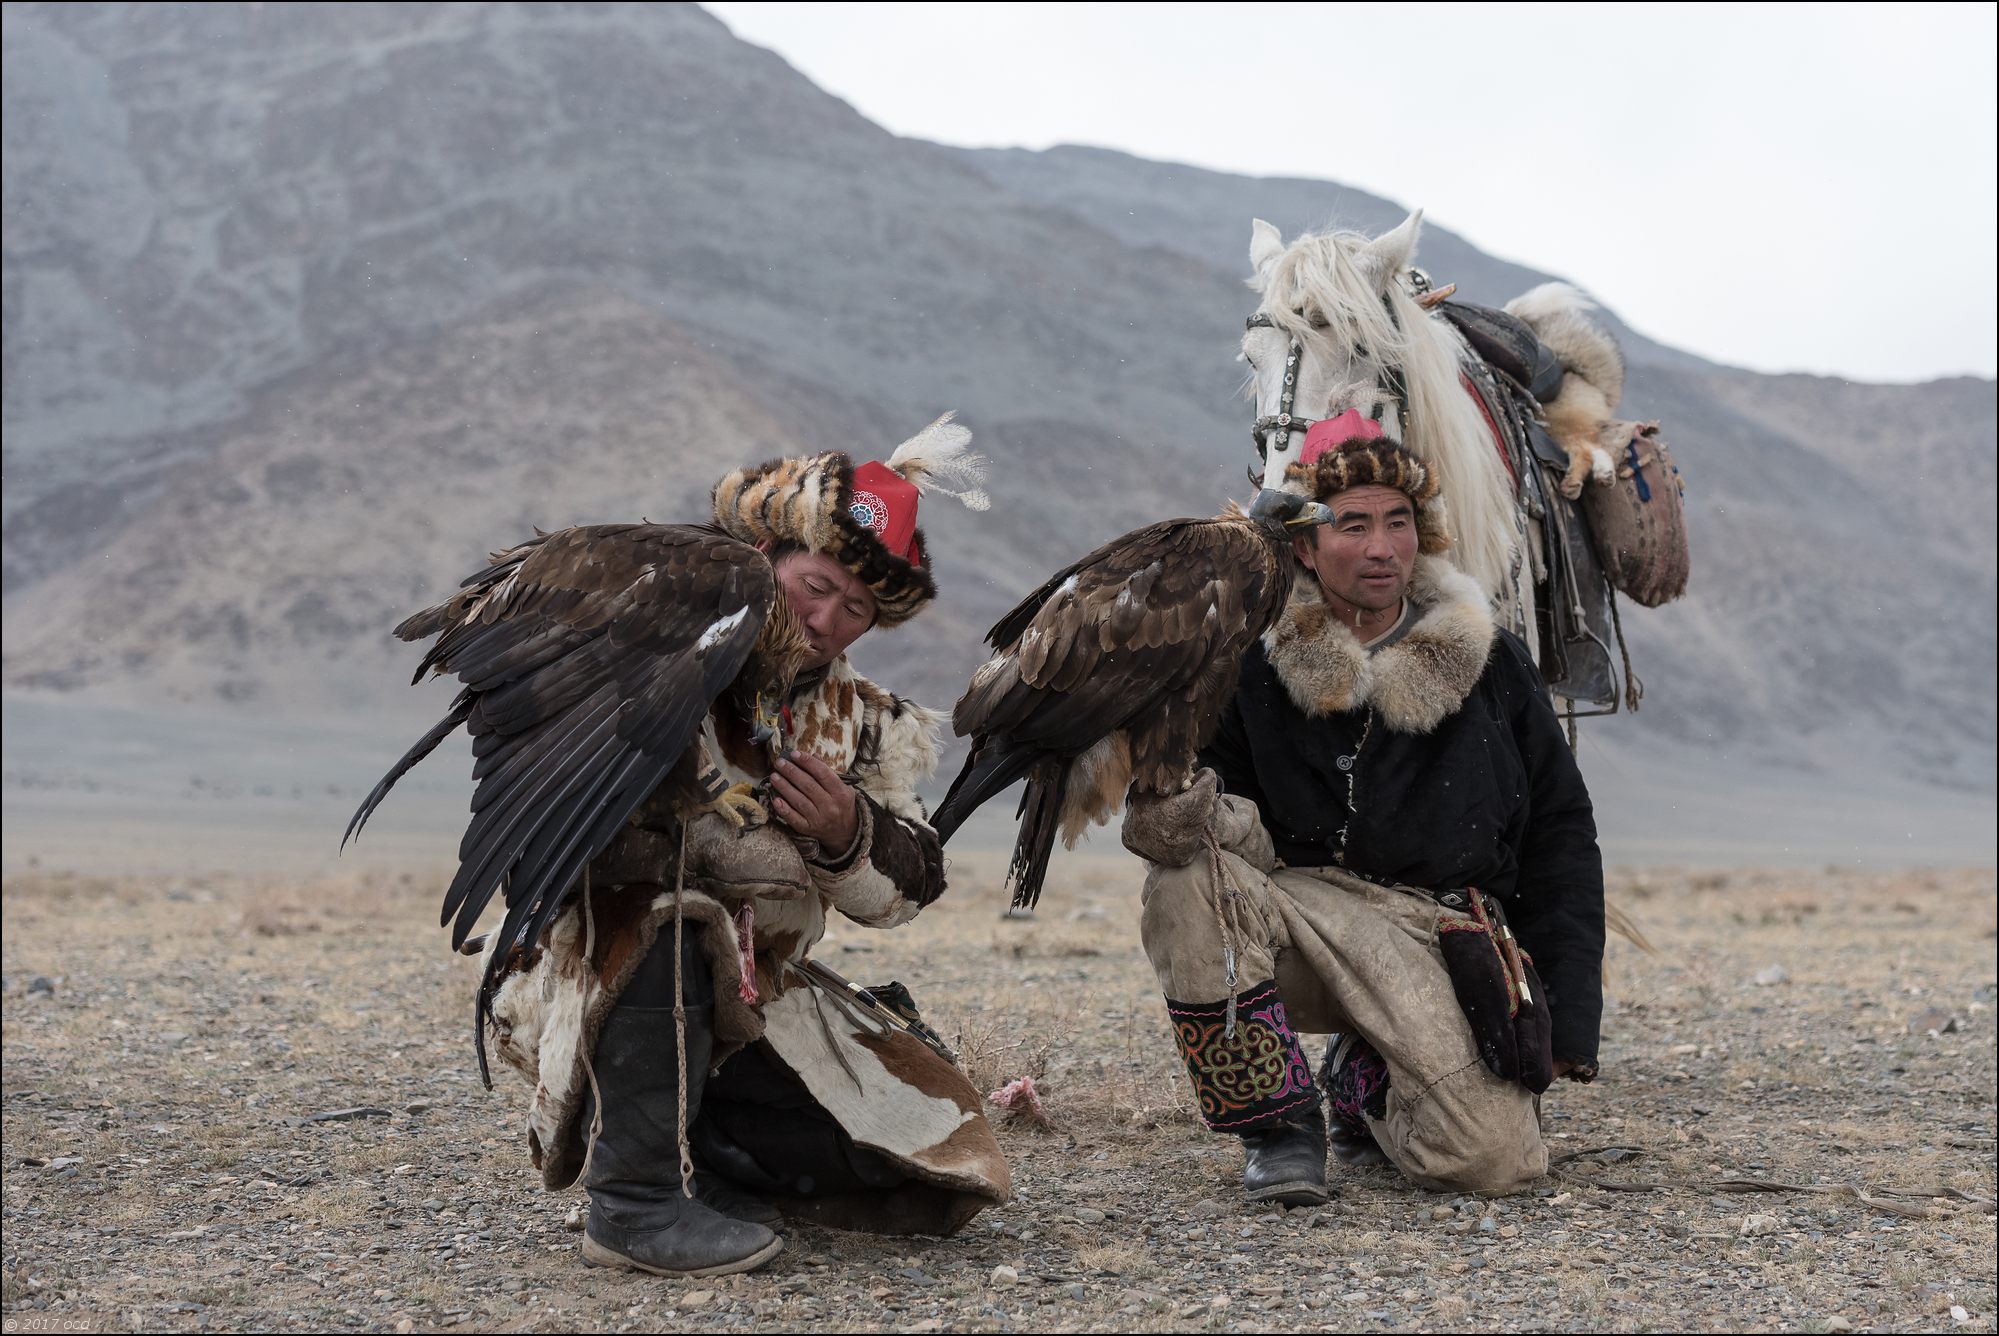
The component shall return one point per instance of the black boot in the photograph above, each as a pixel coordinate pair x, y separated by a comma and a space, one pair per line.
730, 1199
1287, 1163
639, 1217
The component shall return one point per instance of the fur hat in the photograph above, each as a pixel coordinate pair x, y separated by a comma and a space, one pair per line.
1341, 453
863, 517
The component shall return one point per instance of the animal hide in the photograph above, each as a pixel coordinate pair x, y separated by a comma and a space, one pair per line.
1593, 385
1415, 683
551, 1002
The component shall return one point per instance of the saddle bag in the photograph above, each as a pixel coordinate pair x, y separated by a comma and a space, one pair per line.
1639, 521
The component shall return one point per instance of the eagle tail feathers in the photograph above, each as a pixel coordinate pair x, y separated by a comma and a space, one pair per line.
990, 768
1041, 820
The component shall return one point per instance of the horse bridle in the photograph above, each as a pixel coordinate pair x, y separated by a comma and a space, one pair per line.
1284, 421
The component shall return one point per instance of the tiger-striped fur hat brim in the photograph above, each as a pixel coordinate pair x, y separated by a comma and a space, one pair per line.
809, 501
1379, 463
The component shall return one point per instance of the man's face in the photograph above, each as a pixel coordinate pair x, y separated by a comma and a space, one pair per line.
829, 600
1365, 556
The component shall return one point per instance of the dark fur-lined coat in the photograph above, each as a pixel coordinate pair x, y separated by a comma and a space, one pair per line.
1460, 775
891, 1092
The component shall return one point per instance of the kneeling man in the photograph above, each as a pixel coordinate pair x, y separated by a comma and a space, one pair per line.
1402, 855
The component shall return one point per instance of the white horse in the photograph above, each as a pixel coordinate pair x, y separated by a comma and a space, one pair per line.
1344, 301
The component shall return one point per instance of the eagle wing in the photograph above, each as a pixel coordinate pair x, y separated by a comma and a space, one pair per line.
589, 658
1124, 658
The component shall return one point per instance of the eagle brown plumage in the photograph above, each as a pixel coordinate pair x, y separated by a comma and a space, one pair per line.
1114, 673
590, 658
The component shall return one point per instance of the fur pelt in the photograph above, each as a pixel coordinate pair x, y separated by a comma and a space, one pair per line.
551, 1002
1415, 683
1559, 315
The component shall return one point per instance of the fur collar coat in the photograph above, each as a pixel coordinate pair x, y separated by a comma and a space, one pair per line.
1435, 761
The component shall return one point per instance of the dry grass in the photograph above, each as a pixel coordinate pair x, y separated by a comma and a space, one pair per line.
194, 1025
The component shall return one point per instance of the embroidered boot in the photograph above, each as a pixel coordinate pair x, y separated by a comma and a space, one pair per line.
640, 1219
1356, 1080
1251, 1078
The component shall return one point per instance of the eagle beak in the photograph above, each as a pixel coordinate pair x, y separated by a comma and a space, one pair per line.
765, 726
1310, 516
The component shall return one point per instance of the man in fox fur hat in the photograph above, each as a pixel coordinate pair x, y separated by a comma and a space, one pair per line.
801, 1098
1407, 861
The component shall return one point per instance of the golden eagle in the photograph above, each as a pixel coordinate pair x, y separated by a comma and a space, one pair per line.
590, 658
1114, 673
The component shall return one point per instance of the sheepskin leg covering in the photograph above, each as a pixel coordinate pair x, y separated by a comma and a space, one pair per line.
1339, 953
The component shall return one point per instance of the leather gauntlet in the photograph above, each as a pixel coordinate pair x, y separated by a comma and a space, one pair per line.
1168, 830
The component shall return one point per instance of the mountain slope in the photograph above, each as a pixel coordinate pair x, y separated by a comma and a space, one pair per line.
308, 307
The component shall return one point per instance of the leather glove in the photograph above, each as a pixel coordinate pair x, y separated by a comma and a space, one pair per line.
758, 862
1168, 830
1500, 994
1239, 830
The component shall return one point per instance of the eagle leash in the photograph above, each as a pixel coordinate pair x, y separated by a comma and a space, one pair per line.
680, 1018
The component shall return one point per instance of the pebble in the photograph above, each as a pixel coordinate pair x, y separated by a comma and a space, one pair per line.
348, 1115
1775, 974
1005, 1275
1837, 1324
1073, 1291
697, 1298
1752, 1225
1210, 1209
1957, 1313
574, 1220
1089, 1216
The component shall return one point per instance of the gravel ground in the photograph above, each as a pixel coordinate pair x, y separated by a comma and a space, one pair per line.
172, 1048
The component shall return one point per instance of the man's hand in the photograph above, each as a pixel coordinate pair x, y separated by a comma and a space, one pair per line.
813, 801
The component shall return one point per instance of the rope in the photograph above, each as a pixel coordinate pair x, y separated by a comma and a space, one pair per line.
589, 1054
680, 1017
1634, 686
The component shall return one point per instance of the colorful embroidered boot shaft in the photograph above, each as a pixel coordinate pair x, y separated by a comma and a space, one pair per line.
1252, 1078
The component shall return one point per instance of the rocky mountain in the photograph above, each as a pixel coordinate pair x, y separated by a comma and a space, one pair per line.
308, 307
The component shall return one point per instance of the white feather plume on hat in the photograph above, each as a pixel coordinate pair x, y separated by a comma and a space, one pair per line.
940, 459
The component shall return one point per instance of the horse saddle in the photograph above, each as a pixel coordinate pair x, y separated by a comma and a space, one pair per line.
1506, 344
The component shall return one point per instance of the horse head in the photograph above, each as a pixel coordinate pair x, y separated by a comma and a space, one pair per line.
1339, 318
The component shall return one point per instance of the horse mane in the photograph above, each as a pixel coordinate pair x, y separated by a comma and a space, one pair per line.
1324, 293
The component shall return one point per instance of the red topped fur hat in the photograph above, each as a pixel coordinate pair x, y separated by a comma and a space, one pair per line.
863, 517
1351, 451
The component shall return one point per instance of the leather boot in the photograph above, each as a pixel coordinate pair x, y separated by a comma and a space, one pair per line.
1355, 1079
639, 1217
1287, 1163
719, 1194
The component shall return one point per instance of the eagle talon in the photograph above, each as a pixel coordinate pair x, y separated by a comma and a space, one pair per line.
740, 807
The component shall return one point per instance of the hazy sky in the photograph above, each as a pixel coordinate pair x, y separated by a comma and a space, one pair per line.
1786, 187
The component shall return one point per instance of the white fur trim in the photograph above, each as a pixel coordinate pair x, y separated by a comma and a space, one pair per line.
1560, 317
1415, 683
